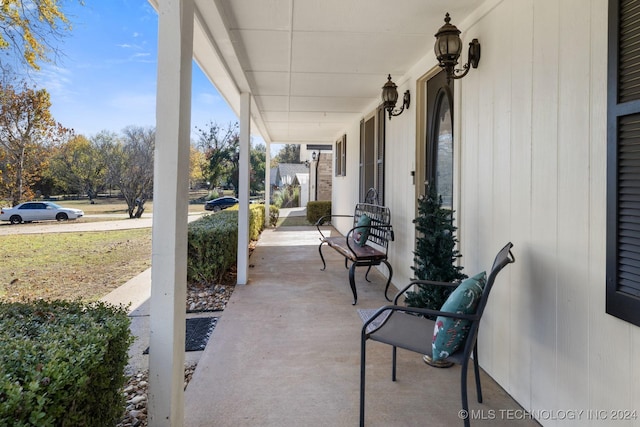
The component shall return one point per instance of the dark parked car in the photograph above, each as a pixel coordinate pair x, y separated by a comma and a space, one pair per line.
220, 203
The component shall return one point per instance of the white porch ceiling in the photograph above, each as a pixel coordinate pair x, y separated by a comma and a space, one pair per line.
314, 66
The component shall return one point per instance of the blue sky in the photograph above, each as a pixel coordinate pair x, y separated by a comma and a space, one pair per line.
106, 79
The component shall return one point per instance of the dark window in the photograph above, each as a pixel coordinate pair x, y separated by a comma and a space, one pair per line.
341, 156
372, 142
623, 161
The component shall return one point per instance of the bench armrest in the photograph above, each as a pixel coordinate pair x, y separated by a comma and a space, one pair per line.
324, 218
387, 228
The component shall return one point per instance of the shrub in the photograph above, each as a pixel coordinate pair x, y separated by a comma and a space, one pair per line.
213, 194
277, 198
287, 197
318, 209
256, 221
62, 363
213, 242
212, 246
274, 215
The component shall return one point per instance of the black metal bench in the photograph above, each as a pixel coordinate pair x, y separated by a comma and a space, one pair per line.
371, 253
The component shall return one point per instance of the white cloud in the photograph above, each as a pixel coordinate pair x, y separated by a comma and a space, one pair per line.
57, 81
208, 98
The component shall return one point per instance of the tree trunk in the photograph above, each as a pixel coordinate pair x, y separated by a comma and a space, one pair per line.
139, 208
17, 195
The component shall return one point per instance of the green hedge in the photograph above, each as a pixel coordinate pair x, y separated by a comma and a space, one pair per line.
62, 363
213, 242
318, 209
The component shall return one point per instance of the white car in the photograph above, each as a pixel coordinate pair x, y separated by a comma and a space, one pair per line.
38, 211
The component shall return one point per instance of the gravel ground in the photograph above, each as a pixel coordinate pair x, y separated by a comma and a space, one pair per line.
200, 297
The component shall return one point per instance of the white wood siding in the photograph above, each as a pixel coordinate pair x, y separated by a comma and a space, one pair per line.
532, 126
531, 135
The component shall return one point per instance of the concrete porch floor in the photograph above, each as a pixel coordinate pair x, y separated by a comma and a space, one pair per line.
286, 352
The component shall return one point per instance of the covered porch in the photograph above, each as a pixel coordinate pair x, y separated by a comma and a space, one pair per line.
528, 129
286, 352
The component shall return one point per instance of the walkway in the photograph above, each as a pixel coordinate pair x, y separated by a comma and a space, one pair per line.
286, 352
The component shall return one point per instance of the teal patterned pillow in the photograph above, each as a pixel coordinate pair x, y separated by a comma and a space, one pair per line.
361, 234
449, 333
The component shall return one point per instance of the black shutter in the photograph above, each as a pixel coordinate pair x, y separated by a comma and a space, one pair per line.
363, 190
629, 51
623, 161
380, 155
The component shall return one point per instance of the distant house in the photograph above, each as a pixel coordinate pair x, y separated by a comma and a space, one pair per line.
286, 173
296, 174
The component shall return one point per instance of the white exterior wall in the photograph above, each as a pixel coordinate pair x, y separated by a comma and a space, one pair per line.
344, 191
533, 166
531, 152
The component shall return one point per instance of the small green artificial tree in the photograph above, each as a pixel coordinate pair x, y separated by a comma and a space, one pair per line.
435, 255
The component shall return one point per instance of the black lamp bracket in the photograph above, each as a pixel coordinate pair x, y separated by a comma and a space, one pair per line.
406, 101
473, 61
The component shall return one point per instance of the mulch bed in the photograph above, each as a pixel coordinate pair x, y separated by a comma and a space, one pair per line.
201, 297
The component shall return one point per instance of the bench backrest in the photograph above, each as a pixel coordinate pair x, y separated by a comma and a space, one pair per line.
379, 215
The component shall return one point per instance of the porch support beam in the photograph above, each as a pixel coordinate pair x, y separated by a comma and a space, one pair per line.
171, 183
267, 186
243, 191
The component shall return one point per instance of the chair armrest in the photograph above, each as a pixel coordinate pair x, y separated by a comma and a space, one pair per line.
414, 310
322, 219
423, 282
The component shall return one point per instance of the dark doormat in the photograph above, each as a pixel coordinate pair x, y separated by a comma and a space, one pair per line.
197, 333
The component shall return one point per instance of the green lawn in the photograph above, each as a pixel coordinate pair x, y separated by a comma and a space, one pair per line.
85, 265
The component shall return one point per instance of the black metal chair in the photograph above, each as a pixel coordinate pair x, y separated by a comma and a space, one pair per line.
407, 328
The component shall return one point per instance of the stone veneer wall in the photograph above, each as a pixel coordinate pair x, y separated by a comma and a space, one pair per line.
325, 176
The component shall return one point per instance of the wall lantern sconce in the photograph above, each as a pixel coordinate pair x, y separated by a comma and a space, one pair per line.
314, 156
390, 97
448, 48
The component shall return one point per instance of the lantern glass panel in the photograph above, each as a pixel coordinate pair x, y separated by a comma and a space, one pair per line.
389, 95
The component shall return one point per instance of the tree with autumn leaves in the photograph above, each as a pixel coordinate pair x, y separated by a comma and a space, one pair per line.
35, 148
38, 156
218, 162
28, 32
27, 133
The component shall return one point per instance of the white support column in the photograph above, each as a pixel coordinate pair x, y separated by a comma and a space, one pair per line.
267, 186
170, 201
243, 191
